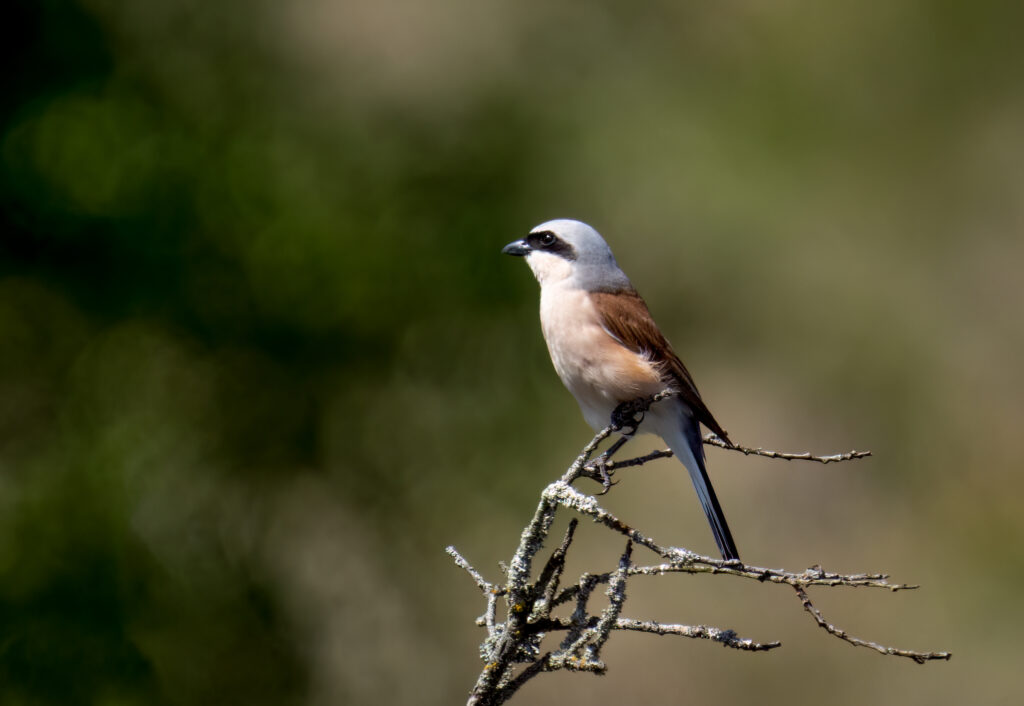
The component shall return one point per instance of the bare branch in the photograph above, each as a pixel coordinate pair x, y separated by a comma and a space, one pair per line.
713, 440
529, 618
919, 657
617, 597
591, 469
460, 561
726, 637
552, 574
638, 461
690, 563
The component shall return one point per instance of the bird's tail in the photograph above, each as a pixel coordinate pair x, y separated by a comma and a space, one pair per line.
688, 447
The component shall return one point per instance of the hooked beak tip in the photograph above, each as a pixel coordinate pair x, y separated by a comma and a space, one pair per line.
519, 248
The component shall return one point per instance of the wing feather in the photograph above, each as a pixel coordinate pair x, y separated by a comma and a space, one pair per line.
624, 315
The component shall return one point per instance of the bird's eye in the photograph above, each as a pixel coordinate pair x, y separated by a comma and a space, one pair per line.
547, 238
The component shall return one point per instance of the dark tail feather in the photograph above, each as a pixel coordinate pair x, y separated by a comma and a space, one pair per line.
706, 493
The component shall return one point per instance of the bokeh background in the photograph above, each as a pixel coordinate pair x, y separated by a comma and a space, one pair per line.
261, 359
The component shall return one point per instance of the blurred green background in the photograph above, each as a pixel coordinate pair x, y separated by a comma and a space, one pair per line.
261, 359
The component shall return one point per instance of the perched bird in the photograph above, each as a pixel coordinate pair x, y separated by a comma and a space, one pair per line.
608, 351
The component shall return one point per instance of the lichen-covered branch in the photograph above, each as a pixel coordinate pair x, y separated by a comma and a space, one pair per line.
699, 632
512, 652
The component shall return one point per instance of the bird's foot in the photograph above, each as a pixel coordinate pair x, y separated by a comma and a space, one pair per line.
627, 416
604, 474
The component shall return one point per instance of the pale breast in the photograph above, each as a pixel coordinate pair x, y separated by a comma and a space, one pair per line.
599, 371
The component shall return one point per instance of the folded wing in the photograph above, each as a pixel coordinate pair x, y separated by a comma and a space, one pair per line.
624, 315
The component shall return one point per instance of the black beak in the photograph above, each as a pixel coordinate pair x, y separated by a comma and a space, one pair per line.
519, 248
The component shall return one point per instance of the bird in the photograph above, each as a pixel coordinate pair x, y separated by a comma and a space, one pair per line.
608, 351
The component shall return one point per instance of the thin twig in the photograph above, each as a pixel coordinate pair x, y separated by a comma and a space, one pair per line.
701, 632
552, 573
814, 576
579, 621
713, 440
704, 632
919, 657
460, 561
616, 599
689, 563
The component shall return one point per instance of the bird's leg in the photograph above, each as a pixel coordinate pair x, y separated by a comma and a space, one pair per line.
626, 419
619, 443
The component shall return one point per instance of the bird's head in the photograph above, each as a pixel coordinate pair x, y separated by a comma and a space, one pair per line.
570, 252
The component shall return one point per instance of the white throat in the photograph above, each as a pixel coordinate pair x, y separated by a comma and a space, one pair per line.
548, 268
